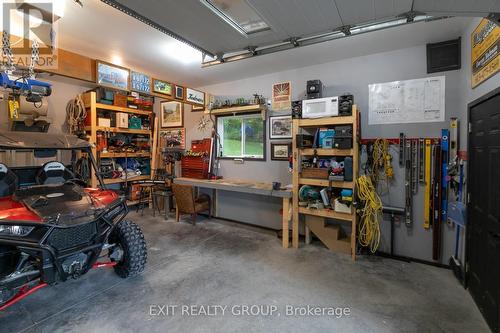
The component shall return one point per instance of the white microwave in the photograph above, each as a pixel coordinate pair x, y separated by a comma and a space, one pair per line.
320, 107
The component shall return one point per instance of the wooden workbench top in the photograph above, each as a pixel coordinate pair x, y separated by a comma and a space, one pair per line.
236, 185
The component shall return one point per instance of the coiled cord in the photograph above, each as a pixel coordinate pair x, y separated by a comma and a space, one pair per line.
75, 114
369, 226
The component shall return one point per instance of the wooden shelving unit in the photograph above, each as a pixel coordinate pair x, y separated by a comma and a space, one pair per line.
90, 102
317, 224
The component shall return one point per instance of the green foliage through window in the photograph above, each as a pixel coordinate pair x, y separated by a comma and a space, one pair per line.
241, 136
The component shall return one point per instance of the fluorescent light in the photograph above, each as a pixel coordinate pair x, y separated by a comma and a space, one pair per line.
238, 14
182, 53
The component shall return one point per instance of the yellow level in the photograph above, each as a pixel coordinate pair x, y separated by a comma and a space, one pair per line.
427, 195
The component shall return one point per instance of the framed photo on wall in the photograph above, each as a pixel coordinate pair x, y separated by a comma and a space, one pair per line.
179, 92
162, 87
281, 151
174, 138
112, 76
280, 127
172, 114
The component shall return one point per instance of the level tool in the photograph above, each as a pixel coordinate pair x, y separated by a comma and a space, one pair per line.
421, 161
445, 136
414, 166
408, 192
436, 203
401, 149
427, 195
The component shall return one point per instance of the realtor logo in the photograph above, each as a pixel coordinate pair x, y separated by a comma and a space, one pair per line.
28, 21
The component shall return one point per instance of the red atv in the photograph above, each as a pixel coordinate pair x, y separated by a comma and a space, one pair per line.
52, 227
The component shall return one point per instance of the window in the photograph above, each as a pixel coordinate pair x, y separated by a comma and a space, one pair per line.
239, 14
241, 136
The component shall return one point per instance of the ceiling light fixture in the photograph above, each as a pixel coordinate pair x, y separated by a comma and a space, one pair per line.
238, 14
182, 53
115, 4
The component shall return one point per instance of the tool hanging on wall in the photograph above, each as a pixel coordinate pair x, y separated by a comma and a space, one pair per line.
401, 149
414, 166
427, 195
436, 203
421, 161
445, 135
408, 178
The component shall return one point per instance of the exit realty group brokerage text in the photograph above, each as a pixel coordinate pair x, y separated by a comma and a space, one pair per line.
164, 310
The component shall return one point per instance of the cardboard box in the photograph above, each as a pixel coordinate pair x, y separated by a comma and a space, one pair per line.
121, 120
104, 122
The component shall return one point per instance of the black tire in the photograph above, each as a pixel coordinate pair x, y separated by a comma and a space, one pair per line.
129, 236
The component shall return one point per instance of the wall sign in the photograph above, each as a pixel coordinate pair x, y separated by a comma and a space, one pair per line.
195, 96
112, 76
410, 101
282, 96
485, 50
140, 82
162, 87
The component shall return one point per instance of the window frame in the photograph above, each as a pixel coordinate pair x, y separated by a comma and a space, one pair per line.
221, 138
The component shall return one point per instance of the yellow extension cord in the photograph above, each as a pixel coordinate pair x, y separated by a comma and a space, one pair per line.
369, 226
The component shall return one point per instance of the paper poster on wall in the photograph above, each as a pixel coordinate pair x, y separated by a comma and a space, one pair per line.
281, 96
409, 101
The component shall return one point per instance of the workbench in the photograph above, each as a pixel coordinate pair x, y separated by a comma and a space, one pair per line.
251, 187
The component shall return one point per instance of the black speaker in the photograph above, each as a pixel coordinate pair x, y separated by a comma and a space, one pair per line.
296, 109
314, 89
345, 104
444, 56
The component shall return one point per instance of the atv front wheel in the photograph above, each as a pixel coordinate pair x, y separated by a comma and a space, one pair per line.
129, 238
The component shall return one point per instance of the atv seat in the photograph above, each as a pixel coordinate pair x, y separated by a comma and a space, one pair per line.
53, 173
8, 181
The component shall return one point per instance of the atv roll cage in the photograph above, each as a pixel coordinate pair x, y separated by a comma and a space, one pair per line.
50, 232
44, 141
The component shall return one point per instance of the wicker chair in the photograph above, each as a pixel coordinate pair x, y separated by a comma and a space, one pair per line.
187, 203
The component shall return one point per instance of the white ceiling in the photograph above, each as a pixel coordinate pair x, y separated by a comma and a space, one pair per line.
100, 31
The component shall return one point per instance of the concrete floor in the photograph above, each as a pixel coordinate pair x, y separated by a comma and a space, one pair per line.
217, 263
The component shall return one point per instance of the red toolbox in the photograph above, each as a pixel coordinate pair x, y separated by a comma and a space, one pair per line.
196, 162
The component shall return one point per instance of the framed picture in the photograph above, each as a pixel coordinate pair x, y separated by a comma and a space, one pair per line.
280, 127
162, 87
171, 114
280, 151
282, 96
112, 76
197, 108
174, 138
195, 96
140, 82
179, 92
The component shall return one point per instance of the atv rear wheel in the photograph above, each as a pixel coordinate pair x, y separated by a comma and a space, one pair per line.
129, 238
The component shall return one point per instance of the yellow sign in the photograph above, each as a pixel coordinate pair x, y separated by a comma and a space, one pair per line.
485, 49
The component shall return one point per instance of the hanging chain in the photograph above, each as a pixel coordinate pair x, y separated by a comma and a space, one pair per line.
7, 53
35, 56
